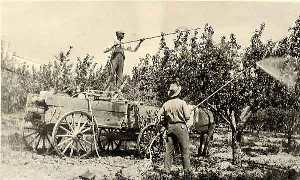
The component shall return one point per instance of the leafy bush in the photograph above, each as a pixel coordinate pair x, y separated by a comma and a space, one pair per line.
60, 75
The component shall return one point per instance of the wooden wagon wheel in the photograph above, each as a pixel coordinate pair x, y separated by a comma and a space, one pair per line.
73, 135
36, 133
157, 147
109, 138
151, 142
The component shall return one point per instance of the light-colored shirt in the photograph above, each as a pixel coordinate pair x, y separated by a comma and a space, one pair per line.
175, 110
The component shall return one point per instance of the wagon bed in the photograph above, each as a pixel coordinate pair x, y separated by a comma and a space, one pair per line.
76, 126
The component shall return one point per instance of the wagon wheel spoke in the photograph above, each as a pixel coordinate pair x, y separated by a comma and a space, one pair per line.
76, 135
69, 125
64, 141
31, 143
25, 136
78, 127
116, 144
108, 139
105, 144
63, 135
86, 141
110, 146
85, 130
75, 123
65, 129
31, 128
50, 145
81, 149
48, 139
37, 144
66, 147
145, 138
84, 148
44, 143
107, 148
82, 127
102, 142
76, 148
72, 150
29, 133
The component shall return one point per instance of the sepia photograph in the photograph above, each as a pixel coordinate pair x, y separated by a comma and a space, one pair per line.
138, 90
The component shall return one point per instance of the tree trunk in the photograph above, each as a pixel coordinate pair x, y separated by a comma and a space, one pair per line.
289, 143
236, 148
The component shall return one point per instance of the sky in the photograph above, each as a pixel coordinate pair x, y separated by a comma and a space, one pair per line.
39, 30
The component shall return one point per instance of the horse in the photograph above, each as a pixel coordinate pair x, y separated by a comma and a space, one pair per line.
202, 123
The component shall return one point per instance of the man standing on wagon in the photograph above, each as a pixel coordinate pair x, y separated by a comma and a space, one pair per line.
175, 113
118, 57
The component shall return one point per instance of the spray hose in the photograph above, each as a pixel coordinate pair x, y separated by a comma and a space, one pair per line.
162, 34
228, 82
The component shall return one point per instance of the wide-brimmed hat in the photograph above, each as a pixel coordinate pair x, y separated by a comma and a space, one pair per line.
174, 90
119, 33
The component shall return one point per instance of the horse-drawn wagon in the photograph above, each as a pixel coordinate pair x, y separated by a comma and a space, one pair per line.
76, 126
100, 121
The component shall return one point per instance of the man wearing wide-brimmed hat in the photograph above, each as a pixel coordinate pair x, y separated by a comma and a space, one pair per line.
118, 57
175, 114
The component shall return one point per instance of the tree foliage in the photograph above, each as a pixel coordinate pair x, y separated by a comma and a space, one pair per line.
202, 66
61, 75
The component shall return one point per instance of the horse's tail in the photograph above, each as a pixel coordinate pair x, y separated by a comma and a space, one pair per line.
210, 116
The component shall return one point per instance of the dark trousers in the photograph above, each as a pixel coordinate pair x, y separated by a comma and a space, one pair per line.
177, 136
116, 65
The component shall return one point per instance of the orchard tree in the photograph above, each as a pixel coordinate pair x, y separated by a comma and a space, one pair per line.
46, 76
294, 53
290, 101
84, 72
62, 71
273, 94
202, 66
15, 82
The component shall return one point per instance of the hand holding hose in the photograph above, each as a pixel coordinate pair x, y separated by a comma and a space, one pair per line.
141, 40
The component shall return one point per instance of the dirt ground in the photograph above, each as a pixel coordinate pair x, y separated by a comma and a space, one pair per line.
264, 157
